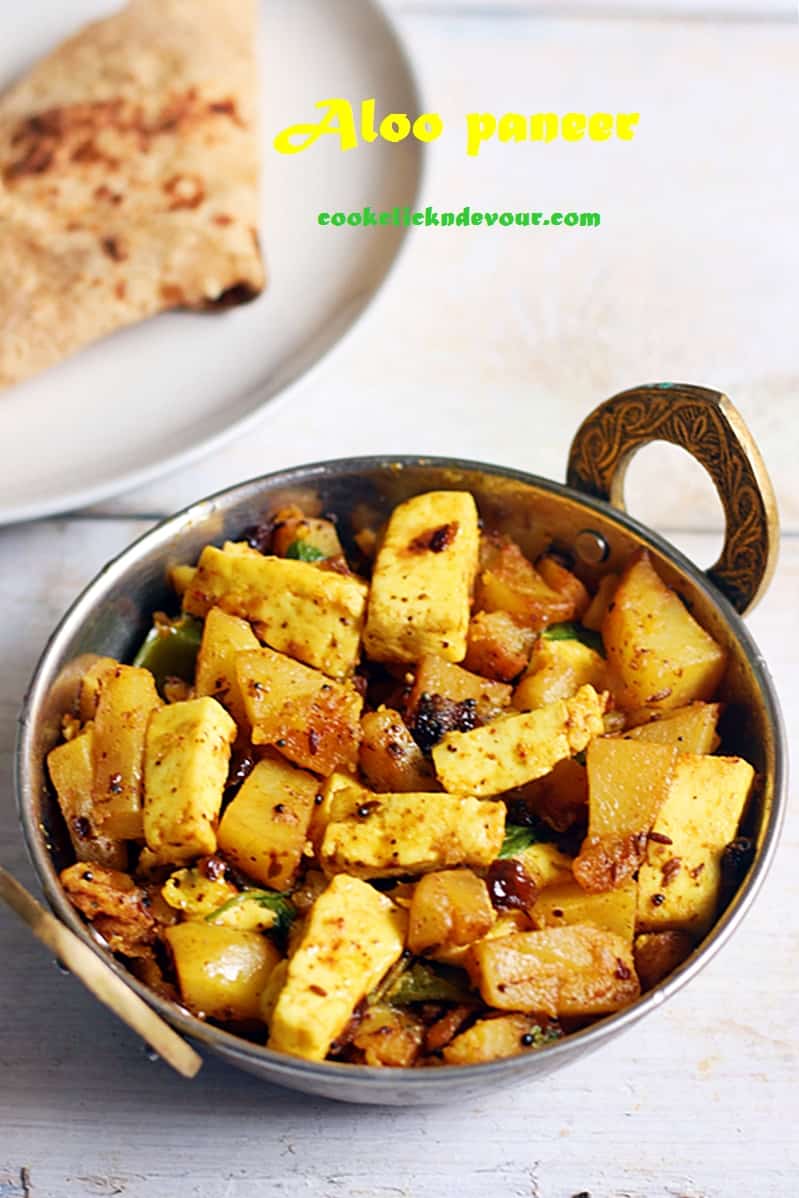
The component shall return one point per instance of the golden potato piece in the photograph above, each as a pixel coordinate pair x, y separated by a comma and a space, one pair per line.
567, 903
627, 783
389, 757
224, 637
492, 1040
557, 670
662, 656
498, 647
449, 908
572, 970
71, 772
264, 829
127, 699
692, 729
222, 972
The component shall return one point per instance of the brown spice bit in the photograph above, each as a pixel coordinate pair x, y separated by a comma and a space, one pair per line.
436, 540
113, 248
313, 741
366, 809
318, 990
622, 972
659, 838
670, 870
696, 871
658, 900
115, 784
81, 827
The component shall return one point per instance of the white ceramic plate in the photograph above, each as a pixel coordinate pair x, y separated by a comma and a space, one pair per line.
153, 397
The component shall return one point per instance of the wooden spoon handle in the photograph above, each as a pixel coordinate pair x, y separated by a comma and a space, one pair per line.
100, 978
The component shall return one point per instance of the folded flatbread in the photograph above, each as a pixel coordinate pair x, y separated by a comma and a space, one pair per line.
129, 172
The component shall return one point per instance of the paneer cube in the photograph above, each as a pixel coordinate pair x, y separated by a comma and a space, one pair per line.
224, 637
573, 970
557, 670
222, 972
567, 903
127, 699
314, 721
390, 835
352, 937
422, 582
264, 829
627, 784
692, 729
71, 772
679, 883
517, 749
185, 769
663, 657
311, 614
449, 908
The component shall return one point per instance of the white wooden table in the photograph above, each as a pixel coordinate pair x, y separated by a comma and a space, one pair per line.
493, 348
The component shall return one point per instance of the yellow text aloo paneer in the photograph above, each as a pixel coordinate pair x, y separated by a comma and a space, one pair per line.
420, 598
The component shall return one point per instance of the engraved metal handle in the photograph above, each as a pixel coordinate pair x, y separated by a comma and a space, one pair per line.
709, 427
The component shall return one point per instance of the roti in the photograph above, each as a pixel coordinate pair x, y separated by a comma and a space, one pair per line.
129, 178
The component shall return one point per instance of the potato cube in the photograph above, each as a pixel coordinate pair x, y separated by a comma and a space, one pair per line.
568, 903
263, 830
517, 749
692, 729
449, 908
422, 581
391, 835
573, 970
71, 772
657, 954
627, 784
557, 670
222, 972
492, 1040
91, 684
389, 1037
312, 720
437, 676
127, 698
352, 937
679, 883
566, 584
292, 527
185, 769
224, 637
497, 646
312, 614
594, 616
561, 796
509, 582
662, 656
546, 865
389, 757
190, 891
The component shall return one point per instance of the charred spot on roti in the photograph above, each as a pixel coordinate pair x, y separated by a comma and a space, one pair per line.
113, 248
184, 191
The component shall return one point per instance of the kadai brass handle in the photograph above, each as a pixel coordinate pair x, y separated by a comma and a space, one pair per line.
708, 426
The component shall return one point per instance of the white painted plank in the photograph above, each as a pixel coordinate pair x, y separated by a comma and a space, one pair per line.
495, 344
758, 10
699, 1102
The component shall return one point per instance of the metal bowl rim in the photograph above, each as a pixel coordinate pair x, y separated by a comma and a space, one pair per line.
276, 1064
